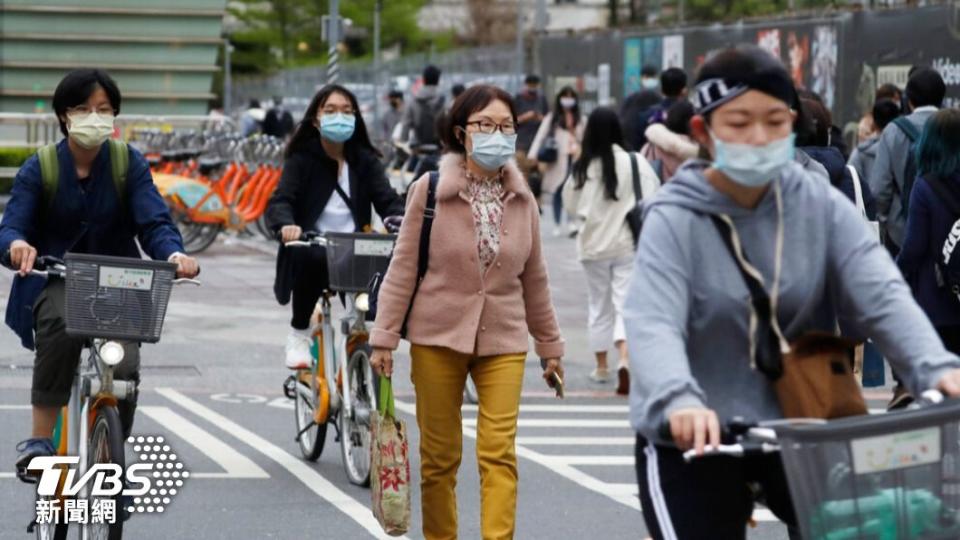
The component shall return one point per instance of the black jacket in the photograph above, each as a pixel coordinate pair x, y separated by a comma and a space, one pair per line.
308, 181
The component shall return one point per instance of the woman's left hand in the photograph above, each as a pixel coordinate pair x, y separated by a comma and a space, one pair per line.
554, 365
949, 384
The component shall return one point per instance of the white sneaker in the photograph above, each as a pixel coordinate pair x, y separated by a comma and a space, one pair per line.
600, 375
298, 349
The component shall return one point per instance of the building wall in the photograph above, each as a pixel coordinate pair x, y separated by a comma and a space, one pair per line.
162, 54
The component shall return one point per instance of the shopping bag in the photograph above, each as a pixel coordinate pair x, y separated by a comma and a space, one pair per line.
390, 465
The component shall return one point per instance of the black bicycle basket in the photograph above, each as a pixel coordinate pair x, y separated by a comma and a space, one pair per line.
353, 259
117, 298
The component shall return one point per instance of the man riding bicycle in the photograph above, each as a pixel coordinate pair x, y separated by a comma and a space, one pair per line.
86, 194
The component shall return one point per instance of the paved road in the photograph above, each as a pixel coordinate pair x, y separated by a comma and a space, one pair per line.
212, 389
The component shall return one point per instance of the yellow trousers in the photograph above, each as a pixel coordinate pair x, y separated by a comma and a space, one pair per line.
439, 375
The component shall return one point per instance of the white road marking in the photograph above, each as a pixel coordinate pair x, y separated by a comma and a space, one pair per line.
303, 472
625, 494
234, 464
577, 441
592, 460
7, 475
561, 422
282, 403
597, 409
14, 407
238, 398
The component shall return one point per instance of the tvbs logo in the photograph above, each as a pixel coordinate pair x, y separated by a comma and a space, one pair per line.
104, 479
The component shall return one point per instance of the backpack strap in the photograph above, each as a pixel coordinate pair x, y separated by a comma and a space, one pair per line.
857, 191
50, 173
907, 127
423, 254
119, 164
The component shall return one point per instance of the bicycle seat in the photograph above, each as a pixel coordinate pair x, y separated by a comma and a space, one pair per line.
207, 166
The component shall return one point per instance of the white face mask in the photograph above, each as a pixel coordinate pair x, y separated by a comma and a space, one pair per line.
752, 165
90, 130
568, 102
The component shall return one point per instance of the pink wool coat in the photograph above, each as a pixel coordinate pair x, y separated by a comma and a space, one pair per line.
457, 307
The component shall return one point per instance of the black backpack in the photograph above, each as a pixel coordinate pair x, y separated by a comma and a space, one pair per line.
425, 119
910, 172
948, 268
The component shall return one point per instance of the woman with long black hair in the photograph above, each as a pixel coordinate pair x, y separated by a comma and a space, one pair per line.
598, 199
331, 176
561, 130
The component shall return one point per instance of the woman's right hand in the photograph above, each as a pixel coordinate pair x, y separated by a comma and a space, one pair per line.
382, 362
694, 427
289, 233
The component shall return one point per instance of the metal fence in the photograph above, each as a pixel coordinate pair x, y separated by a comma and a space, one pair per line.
36, 130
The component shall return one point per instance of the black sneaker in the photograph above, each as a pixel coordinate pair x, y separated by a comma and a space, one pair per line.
901, 399
29, 449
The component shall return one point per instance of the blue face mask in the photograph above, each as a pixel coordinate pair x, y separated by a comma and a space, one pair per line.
750, 165
493, 150
337, 127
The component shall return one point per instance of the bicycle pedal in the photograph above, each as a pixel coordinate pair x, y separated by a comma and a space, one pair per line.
290, 387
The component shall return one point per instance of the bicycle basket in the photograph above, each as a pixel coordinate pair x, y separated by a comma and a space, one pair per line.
893, 476
117, 298
353, 259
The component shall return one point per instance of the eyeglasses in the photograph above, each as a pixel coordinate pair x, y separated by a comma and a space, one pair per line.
489, 127
105, 110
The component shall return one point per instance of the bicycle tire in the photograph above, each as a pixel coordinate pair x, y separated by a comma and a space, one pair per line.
355, 437
106, 446
50, 531
311, 441
203, 238
264, 229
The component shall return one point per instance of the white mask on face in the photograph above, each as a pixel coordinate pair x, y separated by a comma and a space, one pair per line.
753, 165
90, 130
568, 102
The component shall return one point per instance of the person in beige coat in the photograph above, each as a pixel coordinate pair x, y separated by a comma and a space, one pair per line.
598, 198
485, 292
562, 128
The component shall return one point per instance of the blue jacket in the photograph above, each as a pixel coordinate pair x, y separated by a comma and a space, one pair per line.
928, 223
840, 177
86, 219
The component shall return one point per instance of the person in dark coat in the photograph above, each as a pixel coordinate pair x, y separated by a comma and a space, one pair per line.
331, 177
278, 122
930, 220
813, 139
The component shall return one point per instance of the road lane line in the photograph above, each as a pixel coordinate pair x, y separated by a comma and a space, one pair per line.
14, 407
300, 470
625, 494
234, 464
592, 460
561, 422
577, 441
598, 409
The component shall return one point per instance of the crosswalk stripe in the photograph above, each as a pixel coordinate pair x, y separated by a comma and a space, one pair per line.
597, 409
234, 464
311, 478
592, 460
577, 441
561, 422
14, 407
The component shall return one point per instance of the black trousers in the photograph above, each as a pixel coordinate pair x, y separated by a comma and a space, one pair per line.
707, 499
311, 279
58, 355
950, 335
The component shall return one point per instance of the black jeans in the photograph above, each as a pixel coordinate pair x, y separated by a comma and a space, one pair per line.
311, 279
58, 355
707, 499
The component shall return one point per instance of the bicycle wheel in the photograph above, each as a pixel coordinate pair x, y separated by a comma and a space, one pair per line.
51, 531
200, 236
106, 446
311, 439
355, 428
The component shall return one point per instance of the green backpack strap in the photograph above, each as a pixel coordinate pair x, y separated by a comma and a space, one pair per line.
119, 163
50, 171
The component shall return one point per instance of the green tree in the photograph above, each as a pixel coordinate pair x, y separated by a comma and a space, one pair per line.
283, 33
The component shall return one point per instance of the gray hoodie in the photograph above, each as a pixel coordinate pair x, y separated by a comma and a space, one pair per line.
687, 311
